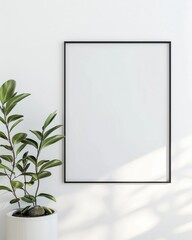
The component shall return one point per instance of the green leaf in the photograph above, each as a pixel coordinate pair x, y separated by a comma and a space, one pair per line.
13, 96
20, 148
2, 120
19, 161
29, 183
34, 177
3, 174
47, 196
2, 135
49, 119
46, 134
28, 199
24, 159
15, 124
44, 174
31, 174
7, 110
6, 147
17, 184
25, 155
42, 162
6, 168
48, 210
19, 137
7, 90
19, 167
26, 167
14, 117
15, 99
24, 210
31, 142
51, 140
50, 164
37, 134
8, 158
3, 110
5, 188
32, 159
15, 200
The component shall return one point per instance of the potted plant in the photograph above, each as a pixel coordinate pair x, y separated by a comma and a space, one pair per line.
22, 169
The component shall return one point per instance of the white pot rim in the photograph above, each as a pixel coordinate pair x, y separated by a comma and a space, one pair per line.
10, 215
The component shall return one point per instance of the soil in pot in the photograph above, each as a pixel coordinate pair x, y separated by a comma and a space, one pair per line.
36, 211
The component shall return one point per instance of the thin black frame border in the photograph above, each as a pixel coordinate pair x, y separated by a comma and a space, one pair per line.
169, 107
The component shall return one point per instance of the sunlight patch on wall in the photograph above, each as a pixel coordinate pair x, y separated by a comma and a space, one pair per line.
183, 228
136, 224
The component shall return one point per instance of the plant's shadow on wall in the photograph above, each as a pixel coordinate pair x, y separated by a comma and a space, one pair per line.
132, 211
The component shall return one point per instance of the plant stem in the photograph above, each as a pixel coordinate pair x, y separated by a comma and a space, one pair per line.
25, 187
36, 168
13, 190
10, 142
14, 160
27, 193
14, 194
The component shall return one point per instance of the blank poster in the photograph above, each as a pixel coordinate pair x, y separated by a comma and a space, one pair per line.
117, 111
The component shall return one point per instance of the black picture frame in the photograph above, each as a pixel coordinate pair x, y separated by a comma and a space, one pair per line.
169, 109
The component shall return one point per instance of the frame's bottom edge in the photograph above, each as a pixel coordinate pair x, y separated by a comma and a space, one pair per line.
67, 181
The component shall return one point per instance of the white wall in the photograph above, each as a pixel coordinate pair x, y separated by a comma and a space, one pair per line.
31, 51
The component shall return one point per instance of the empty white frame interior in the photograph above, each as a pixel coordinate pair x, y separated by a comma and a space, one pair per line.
116, 112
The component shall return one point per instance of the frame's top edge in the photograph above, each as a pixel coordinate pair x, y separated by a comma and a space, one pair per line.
164, 42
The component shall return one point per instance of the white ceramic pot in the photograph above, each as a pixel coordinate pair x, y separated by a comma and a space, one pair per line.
36, 228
